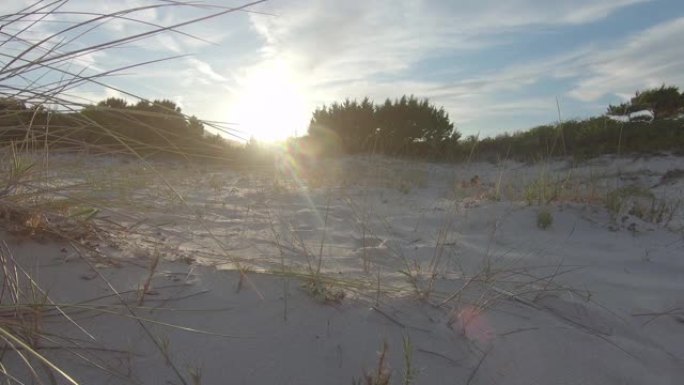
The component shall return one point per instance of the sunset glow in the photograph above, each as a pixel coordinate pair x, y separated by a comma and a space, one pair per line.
270, 106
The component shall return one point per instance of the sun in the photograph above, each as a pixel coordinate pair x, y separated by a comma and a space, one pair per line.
271, 106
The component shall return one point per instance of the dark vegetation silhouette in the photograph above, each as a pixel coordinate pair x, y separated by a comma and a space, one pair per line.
413, 127
156, 127
621, 131
664, 102
583, 139
42, 44
38, 77
405, 126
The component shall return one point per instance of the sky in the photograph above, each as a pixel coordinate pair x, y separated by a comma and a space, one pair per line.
495, 66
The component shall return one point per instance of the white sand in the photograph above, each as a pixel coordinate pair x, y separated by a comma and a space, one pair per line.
498, 300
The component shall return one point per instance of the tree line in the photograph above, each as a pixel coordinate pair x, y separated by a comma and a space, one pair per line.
663, 102
110, 125
621, 130
407, 126
404, 126
413, 127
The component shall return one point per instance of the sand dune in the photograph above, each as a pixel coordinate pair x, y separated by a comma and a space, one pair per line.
297, 275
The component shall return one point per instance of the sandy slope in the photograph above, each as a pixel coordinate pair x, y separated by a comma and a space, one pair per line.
426, 253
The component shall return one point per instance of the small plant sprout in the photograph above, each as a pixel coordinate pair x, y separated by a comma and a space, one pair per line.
381, 375
544, 219
147, 285
195, 373
322, 292
409, 370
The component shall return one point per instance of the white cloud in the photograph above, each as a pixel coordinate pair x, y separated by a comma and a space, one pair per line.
205, 69
333, 49
645, 60
387, 36
347, 48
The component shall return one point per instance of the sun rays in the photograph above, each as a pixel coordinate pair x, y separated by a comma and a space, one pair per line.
271, 105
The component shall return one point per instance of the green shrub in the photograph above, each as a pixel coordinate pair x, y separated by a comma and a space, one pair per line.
544, 190
618, 200
544, 219
641, 203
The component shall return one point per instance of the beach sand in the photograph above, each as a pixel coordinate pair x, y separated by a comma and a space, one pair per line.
298, 274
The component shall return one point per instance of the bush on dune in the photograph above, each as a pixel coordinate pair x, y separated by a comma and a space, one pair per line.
407, 126
111, 125
413, 127
586, 138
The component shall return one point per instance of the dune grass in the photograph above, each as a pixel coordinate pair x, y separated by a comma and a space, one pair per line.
46, 193
42, 72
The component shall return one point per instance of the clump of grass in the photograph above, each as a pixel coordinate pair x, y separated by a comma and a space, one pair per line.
404, 187
16, 171
544, 219
37, 77
617, 199
381, 375
641, 203
195, 373
544, 190
496, 195
24, 305
323, 292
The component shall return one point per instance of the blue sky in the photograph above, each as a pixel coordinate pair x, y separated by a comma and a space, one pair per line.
495, 66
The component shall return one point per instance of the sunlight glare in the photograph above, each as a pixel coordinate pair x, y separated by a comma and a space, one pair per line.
270, 105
